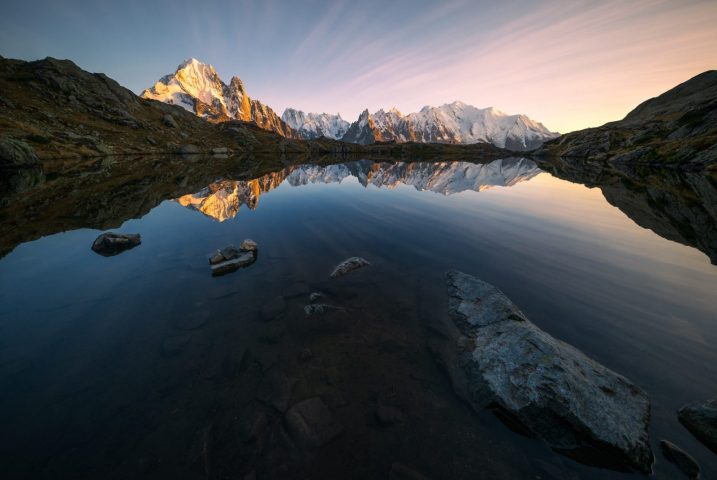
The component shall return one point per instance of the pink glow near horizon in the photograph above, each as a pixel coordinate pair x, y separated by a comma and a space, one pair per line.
568, 65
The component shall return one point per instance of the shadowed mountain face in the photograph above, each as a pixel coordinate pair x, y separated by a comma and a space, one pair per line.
677, 127
678, 206
222, 200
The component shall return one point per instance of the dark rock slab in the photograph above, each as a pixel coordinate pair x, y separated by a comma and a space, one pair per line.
701, 420
680, 458
109, 244
496, 357
349, 265
311, 423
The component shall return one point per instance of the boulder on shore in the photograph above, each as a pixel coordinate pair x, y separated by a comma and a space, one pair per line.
701, 420
109, 244
497, 358
349, 265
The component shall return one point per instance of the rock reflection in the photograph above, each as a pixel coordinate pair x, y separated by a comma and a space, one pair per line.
677, 205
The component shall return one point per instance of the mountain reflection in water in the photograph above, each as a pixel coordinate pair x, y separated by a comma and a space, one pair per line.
222, 199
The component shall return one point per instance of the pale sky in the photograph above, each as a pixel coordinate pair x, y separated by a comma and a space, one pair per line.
568, 64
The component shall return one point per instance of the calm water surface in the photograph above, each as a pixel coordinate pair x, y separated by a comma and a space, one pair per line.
124, 366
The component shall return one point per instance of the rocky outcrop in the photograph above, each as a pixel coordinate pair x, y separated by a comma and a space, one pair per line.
678, 127
349, 265
109, 244
701, 420
497, 358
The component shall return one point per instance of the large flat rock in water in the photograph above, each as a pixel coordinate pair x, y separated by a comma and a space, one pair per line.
497, 358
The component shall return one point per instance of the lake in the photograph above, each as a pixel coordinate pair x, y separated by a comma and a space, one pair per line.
144, 364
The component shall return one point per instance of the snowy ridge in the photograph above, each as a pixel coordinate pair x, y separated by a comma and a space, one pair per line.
315, 125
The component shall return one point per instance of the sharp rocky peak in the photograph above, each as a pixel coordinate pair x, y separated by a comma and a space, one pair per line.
197, 87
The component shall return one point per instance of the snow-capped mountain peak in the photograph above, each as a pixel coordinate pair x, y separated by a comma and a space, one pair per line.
197, 87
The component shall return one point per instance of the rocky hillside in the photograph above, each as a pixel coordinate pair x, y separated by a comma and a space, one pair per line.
677, 128
196, 87
56, 111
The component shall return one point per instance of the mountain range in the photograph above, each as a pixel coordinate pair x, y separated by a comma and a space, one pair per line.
196, 86
222, 199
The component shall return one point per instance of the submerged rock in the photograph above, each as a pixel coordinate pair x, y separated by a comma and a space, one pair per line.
311, 423
230, 258
349, 265
229, 252
109, 244
496, 357
680, 458
701, 420
243, 260
314, 296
